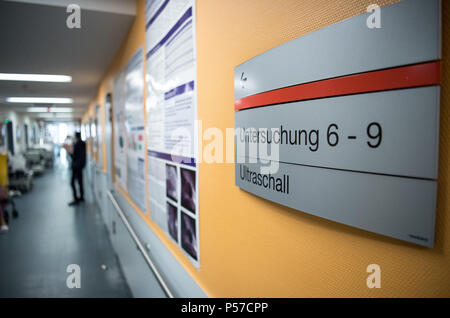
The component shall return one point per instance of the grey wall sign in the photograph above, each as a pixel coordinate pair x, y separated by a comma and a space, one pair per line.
343, 123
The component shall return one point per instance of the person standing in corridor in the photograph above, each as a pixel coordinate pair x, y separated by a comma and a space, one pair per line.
78, 156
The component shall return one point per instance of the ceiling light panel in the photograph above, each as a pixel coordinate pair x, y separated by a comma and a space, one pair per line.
35, 78
40, 100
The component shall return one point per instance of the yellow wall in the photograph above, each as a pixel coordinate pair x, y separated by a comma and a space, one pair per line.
3, 170
251, 247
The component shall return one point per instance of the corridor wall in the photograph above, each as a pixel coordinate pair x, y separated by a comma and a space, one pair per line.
251, 247
18, 120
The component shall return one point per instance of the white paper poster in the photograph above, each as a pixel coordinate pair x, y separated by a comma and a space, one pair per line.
99, 134
134, 123
171, 116
120, 132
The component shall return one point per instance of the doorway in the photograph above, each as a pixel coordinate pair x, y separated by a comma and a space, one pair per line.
10, 134
25, 131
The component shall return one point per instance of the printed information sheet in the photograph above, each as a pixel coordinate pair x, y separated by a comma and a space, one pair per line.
171, 115
120, 132
134, 122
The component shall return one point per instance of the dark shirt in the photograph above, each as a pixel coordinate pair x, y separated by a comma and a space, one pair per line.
79, 155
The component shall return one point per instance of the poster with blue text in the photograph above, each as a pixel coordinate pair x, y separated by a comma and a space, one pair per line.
134, 123
171, 80
120, 132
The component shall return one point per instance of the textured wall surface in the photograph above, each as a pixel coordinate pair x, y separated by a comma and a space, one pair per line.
252, 247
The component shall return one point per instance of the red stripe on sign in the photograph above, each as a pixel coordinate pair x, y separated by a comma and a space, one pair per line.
424, 74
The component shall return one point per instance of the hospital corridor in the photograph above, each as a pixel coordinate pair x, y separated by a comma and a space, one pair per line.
48, 235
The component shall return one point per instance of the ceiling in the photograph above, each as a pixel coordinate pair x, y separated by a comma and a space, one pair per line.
34, 38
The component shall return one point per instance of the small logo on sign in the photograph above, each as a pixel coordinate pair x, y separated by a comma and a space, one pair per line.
243, 80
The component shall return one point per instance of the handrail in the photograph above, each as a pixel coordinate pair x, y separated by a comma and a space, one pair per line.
140, 247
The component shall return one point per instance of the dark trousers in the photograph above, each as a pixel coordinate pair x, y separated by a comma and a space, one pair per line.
77, 176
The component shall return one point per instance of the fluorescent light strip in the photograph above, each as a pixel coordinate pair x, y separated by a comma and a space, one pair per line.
49, 110
39, 100
55, 115
35, 78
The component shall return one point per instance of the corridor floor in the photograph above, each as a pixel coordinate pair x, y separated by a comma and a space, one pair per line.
48, 236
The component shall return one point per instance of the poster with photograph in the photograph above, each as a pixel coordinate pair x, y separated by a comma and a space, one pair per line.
172, 220
171, 117
120, 132
134, 123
